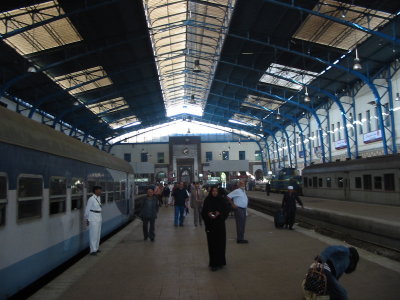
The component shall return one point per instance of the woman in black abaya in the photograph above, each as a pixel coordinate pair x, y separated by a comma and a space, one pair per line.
215, 211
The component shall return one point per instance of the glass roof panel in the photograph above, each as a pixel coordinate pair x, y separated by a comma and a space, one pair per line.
302, 76
187, 37
323, 31
97, 74
108, 106
245, 120
264, 102
124, 122
51, 35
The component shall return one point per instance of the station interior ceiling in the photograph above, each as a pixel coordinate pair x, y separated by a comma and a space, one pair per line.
112, 67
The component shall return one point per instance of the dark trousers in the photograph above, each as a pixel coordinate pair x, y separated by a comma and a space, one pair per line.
216, 239
240, 216
179, 215
290, 215
149, 233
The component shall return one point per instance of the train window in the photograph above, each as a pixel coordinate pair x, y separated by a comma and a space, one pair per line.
3, 199
76, 193
89, 189
320, 182
367, 182
104, 192
358, 183
328, 182
30, 195
110, 191
340, 182
388, 180
377, 182
123, 190
117, 190
57, 195
305, 182
314, 181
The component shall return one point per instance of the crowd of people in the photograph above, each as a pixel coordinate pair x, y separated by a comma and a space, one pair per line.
211, 206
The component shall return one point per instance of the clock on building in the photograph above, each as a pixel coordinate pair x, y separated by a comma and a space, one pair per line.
185, 151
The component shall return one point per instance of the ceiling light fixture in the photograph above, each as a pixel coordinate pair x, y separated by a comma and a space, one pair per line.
397, 97
278, 115
197, 68
306, 96
357, 65
32, 69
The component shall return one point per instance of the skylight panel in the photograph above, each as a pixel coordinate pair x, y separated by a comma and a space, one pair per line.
97, 75
323, 31
187, 38
108, 106
125, 122
262, 103
244, 120
299, 75
51, 35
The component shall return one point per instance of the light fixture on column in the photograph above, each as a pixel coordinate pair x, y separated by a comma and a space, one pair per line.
192, 99
397, 97
357, 65
278, 115
196, 67
239, 141
188, 131
306, 96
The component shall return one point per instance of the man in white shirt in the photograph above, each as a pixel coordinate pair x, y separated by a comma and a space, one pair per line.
93, 219
239, 204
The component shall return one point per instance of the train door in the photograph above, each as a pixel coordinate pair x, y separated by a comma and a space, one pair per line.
346, 186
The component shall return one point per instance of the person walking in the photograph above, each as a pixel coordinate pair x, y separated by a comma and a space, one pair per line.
334, 260
289, 206
196, 202
239, 201
180, 198
268, 188
148, 213
165, 195
93, 220
214, 213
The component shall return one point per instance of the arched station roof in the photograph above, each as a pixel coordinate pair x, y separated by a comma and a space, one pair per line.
110, 67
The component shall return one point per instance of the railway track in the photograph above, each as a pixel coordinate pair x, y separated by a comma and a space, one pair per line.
381, 245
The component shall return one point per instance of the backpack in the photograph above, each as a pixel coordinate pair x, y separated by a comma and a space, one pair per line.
315, 280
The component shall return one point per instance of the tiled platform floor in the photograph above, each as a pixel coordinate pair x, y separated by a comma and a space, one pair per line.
271, 266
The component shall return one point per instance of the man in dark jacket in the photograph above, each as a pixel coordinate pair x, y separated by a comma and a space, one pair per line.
148, 213
289, 206
181, 197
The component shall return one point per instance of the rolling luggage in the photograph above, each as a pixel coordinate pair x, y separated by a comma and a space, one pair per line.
279, 219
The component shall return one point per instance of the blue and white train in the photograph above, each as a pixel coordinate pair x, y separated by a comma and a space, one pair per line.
45, 180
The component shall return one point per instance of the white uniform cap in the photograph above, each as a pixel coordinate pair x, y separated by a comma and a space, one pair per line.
290, 187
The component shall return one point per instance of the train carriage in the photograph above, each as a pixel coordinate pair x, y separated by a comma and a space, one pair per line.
372, 180
45, 179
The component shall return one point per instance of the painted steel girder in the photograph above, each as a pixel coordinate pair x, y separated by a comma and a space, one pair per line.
390, 38
364, 78
310, 110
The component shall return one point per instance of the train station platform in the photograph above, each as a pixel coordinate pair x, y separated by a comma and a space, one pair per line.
175, 265
377, 225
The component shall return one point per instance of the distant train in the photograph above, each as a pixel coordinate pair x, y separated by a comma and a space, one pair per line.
285, 178
45, 180
373, 180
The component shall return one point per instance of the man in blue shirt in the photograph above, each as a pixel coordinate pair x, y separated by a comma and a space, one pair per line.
180, 197
238, 200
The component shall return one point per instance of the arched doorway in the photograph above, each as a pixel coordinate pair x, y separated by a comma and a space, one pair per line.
185, 175
259, 174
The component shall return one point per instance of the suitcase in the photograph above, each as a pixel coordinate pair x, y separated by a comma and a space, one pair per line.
279, 219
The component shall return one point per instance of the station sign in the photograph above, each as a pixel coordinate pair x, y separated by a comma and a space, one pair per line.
372, 136
340, 144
